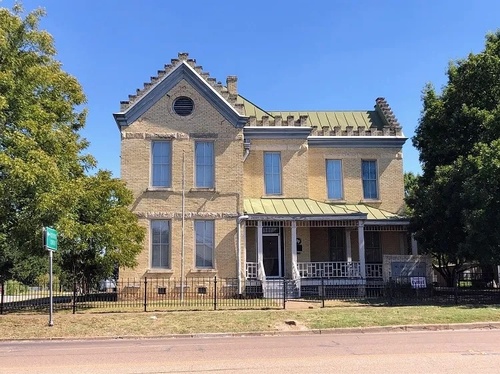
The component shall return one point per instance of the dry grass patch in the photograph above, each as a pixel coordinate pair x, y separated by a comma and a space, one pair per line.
66, 325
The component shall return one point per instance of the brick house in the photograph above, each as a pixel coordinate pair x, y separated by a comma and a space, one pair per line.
227, 188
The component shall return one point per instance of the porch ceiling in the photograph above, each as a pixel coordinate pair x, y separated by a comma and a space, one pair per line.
309, 207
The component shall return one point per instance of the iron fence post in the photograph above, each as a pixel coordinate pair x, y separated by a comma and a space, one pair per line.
391, 285
145, 294
322, 291
417, 294
74, 296
455, 285
215, 292
284, 293
2, 289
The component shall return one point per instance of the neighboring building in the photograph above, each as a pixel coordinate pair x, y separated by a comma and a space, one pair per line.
226, 188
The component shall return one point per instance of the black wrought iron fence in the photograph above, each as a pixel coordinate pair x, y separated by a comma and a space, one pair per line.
162, 294
147, 294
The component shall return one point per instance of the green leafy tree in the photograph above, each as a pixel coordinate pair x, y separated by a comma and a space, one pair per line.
101, 232
40, 148
410, 185
457, 132
43, 166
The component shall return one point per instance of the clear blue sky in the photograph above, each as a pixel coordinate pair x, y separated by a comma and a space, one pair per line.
288, 55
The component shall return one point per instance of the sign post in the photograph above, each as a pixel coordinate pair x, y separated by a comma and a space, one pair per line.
50, 244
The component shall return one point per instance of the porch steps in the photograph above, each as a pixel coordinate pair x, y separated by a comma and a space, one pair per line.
274, 289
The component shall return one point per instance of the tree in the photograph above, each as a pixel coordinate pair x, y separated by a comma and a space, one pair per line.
101, 232
452, 205
43, 167
410, 185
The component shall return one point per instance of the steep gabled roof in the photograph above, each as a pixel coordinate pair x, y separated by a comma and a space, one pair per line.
182, 68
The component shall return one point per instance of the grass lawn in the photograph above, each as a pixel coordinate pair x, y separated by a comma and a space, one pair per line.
80, 325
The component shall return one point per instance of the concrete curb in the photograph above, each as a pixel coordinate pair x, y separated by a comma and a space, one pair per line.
344, 330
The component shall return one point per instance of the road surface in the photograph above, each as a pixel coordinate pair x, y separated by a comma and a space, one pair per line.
465, 351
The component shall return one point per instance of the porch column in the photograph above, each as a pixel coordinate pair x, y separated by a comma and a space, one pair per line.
361, 241
348, 249
260, 255
414, 247
294, 247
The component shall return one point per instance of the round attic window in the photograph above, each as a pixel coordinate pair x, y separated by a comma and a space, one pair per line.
183, 106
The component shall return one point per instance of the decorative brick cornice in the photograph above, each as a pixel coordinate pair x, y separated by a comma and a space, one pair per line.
150, 135
386, 113
187, 215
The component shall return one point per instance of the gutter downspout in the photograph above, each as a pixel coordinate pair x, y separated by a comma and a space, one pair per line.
246, 146
238, 267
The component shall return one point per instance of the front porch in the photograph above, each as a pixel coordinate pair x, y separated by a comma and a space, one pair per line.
327, 270
312, 253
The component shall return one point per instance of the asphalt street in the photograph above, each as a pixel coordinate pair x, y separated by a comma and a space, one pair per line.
459, 351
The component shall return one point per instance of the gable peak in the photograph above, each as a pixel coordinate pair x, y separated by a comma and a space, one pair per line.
228, 92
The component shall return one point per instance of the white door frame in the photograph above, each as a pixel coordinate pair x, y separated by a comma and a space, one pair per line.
280, 267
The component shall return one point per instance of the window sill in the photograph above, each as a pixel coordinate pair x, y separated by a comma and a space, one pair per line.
332, 201
159, 271
203, 271
159, 189
202, 189
372, 201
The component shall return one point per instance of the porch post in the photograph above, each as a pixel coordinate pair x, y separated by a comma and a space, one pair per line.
361, 241
260, 255
294, 246
414, 247
348, 248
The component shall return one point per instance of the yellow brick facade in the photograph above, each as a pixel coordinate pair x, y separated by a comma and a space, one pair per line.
390, 175
221, 204
239, 175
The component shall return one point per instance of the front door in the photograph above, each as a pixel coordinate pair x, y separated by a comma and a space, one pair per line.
271, 251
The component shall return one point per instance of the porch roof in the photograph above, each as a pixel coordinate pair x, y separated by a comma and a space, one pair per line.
307, 207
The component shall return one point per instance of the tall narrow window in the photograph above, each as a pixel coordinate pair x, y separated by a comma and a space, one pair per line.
204, 232
204, 164
161, 164
369, 175
373, 250
160, 244
334, 179
272, 173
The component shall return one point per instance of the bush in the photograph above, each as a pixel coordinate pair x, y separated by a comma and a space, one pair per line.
13, 288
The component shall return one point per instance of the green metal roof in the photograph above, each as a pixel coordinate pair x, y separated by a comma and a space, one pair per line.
251, 109
320, 119
331, 119
373, 213
308, 207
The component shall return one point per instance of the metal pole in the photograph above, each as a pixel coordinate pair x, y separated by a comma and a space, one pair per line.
2, 289
215, 292
284, 293
145, 294
182, 222
51, 321
322, 290
74, 292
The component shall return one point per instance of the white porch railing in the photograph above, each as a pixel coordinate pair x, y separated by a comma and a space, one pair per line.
339, 269
252, 272
373, 270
